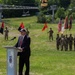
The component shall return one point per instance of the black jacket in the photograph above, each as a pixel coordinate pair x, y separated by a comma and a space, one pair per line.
25, 46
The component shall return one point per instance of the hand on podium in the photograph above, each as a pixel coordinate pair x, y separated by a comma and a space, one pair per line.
20, 49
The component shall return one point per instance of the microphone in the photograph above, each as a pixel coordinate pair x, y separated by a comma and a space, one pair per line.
13, 38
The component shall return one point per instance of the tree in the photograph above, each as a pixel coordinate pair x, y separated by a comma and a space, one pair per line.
64, 3
53, 2
26, 2
60, 13
60, 3
72, 4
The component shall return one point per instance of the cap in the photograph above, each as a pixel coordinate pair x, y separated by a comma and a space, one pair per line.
22, 30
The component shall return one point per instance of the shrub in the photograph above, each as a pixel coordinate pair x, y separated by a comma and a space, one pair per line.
60, 13
49, 18
41, 18
73, 15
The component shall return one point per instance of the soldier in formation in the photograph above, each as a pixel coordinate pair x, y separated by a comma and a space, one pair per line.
62, 42
57, 41
65, 42
74, 43
70, 42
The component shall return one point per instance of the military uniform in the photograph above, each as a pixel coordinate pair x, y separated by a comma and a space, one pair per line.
66, 43
51, 34
70, 42
74, 43
57, 41
6, 33
62, 41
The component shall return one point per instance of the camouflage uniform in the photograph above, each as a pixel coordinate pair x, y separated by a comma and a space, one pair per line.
62, 41
6, 33
74, 43
70, 42
51, 34
57, 41
66, 42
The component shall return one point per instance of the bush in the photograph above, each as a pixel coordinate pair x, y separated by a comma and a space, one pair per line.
41, 18
49, 18
73, 15
60, 13
68, 12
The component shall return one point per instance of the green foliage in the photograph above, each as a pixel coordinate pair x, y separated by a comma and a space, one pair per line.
68, 12
53, 2
41, 18
60, 13
60, 3
73, 15
1, 1
64, 3
49, 18
72, 4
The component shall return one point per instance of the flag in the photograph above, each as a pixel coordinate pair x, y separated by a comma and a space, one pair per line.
59, 25
66, 23
2, 28
45, 26
70, 23
21, 26
62, 29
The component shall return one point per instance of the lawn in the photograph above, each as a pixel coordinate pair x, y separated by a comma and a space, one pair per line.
45, 59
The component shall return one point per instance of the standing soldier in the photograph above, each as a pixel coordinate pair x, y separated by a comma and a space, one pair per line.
74, 43
62, 41
50, 34
66, 42
6, 33
70, 42
57, 41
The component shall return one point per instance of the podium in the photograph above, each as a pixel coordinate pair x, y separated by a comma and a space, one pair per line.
11, 60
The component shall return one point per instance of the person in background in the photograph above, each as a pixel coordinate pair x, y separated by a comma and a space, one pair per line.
66, 40
70, 42
51, 34
6, 33
74, 42
57, 41
62, 41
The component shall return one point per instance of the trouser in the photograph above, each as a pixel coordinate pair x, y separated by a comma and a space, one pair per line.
24, 61
51, 37
70, 47
57, 45
74, 47
66, 47
62, 46
6, 37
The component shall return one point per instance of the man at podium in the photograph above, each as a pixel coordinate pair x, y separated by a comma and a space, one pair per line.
23, 45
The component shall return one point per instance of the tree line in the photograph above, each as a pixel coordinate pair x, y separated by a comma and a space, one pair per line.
61, 4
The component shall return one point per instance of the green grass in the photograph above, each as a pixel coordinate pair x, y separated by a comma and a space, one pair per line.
45, 59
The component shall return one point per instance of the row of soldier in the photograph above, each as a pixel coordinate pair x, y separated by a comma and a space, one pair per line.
65, 42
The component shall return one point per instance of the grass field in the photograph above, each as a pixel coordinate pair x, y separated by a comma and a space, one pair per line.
45, 59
